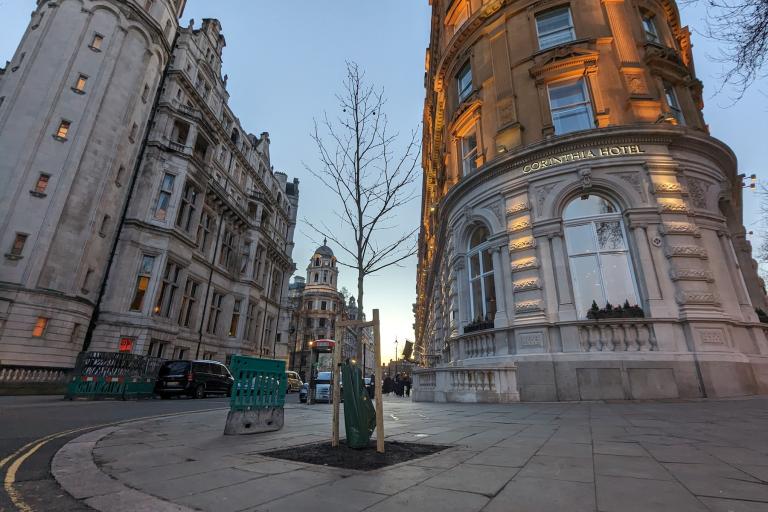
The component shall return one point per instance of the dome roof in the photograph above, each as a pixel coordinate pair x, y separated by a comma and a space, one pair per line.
324, 250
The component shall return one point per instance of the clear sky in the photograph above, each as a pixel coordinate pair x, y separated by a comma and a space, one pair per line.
286, 60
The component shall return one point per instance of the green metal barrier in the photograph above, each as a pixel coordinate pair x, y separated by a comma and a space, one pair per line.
105, 375
259, 383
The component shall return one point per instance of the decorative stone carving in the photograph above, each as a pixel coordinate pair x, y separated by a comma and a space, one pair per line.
634, 179
585, 176
529, 306
541, 195
520, 225
525, 285
497, 210
680, 228
525, 264
698, 191
686, 251
667, 187
673, 206
518, 207
691, 274
522, 244
694, 297
711, 336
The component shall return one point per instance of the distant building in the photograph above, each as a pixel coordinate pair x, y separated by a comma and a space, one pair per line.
318, 306
358, 341
114, 124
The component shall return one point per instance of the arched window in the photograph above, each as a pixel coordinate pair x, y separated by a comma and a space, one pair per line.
481, 286
601, 268
317, 262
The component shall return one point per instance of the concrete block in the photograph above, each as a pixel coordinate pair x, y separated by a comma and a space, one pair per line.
254, 421
600, 383
652, 383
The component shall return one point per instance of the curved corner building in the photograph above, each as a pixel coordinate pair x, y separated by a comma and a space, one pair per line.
582, 232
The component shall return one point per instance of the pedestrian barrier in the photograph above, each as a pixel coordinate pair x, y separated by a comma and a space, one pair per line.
116, 375
258, 395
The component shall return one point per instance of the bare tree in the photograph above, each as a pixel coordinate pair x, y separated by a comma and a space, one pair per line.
360, 162
742, 26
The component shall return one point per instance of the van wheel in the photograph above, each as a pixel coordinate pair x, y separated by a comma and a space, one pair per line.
199, 391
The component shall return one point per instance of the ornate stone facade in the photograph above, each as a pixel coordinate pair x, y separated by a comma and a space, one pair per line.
581, 121
136, 192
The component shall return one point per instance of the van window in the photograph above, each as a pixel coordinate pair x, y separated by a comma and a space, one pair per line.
174, 368
324, 378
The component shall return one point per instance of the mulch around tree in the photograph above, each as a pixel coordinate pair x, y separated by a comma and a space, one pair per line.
365, 459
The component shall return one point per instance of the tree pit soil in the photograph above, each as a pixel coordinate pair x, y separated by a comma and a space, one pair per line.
364, 459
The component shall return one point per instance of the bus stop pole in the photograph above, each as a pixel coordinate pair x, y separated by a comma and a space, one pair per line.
377, 384
336, 382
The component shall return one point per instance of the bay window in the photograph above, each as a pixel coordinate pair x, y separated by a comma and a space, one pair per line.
468, 146
650, 29
674, 105
598, 254
464, 82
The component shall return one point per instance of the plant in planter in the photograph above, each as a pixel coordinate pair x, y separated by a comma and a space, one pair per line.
610, 311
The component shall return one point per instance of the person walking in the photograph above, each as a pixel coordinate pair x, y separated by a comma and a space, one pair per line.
388, 385
407, 384
398, 385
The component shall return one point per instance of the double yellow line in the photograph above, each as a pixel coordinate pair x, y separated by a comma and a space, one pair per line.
18, 457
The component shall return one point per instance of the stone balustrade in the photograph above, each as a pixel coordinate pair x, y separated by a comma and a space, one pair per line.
33, 380
478, 344
618, 335
466, 384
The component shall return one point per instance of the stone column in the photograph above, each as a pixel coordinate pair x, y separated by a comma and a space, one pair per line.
500, 320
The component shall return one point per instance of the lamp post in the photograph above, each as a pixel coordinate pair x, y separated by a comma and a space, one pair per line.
396, 369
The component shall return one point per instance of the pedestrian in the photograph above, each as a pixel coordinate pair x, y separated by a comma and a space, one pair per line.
388, 385
399, 385
407, 384
372, 387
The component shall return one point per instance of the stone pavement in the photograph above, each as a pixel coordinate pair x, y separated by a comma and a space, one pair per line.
681, 457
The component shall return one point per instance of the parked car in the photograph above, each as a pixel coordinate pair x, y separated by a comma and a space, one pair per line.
294, 382
197, 379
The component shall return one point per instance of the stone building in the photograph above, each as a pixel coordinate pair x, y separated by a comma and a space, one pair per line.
582, 232
197, 262
358, 343
75, 102
318, 306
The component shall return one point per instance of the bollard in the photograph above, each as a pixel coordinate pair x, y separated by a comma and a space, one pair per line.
258, 396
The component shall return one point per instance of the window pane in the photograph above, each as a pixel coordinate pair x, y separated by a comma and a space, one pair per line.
477, 300
579, 239
479, 236
555, 38
572, 120
592, 205
464, 79
586, 283
474, 265
146, 265
487, 261
610, 236
618, 280
490, 297
553, 20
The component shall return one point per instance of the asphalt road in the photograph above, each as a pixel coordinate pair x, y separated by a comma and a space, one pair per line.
27, 419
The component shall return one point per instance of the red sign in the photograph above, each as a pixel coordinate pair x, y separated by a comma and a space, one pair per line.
324, 343
126, 344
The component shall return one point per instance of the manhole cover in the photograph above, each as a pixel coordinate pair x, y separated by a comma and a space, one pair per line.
365, 459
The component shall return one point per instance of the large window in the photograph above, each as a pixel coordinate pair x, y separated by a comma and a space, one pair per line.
168, 288
464, 82
214, 311
481, 284
235, 320
555, 27
468, 146
188, 301
570, 106
164, 198
598, 254
188, 205
142, 282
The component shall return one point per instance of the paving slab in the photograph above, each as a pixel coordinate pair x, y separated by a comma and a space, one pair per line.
619, 494
486, 480
544, 495
430, 499
627, 466
719, 481
572, 469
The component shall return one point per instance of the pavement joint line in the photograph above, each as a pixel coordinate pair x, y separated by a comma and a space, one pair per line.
26, 451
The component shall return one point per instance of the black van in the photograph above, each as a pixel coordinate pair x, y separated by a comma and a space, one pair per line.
193, 378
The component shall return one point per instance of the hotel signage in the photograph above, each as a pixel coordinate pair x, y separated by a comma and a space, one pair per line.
582, 155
